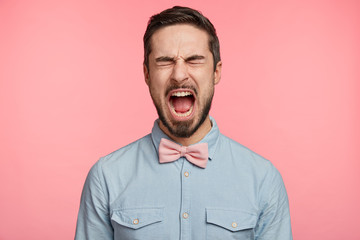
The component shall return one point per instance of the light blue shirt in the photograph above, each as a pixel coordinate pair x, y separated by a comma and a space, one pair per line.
129, 195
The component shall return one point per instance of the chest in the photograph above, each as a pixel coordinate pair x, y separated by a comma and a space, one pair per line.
181, 201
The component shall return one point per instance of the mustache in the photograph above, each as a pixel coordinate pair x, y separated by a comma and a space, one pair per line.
174, 87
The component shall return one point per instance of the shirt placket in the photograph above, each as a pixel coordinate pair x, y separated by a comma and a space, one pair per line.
185, 210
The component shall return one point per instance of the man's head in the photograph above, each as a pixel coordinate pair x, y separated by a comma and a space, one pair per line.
182, 65
181, 15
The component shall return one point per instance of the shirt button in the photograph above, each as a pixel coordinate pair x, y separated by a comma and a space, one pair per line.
186, 174
234, 224
185, 215
136, 221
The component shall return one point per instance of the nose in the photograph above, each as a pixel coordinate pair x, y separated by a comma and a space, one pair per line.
180, 71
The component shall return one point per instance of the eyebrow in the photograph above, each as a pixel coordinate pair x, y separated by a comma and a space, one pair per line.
195, 57
171, 59
164, 59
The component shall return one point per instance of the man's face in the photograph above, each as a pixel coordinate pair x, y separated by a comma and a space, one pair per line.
181, 77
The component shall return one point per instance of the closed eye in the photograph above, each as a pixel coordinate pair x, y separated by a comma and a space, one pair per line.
195, 59
164, 61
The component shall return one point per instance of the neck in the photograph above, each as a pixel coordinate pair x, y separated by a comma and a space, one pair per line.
195, 138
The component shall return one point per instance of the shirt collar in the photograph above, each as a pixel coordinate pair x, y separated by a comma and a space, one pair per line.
211, 138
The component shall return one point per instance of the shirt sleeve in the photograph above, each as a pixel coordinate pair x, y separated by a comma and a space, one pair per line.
93, 219
274, 220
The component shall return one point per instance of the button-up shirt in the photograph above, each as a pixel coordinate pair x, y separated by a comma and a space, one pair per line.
128, 195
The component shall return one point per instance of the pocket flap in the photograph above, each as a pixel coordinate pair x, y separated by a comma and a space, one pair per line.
137, 217
231, 219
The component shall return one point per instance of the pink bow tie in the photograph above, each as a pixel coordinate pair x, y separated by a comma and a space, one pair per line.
196, 154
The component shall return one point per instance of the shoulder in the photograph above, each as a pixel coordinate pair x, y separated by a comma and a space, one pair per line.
255, 165
241, 152
125, 159
142, 144
245, 158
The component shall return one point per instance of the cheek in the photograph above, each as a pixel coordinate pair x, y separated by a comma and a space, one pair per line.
207, 89
156, 90
206, 81
158, 79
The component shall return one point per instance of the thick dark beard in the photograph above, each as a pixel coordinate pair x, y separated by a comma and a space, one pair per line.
182, 129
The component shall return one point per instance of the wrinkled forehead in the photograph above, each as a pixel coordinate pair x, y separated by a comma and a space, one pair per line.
181, 39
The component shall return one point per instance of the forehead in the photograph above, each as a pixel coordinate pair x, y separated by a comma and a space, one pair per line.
180, 38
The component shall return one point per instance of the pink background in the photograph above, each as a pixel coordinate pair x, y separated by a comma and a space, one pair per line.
72, 90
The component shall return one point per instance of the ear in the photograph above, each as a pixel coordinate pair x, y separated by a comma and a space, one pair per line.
217, 73
146, 74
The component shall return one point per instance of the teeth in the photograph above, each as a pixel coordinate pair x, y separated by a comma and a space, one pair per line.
181, 94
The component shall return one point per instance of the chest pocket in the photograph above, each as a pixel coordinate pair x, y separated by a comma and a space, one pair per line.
230, 224
137, 223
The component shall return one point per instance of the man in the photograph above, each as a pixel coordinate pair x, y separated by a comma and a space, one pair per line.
185, 180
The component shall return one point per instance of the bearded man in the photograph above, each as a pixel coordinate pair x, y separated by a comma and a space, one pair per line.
185, 180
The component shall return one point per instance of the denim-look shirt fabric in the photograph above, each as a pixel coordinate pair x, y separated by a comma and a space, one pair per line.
129, 195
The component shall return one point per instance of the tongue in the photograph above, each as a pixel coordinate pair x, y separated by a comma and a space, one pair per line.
182, 104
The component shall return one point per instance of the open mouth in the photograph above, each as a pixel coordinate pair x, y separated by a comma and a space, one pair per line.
181, 103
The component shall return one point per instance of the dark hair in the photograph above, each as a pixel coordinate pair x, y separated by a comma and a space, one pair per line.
181, 15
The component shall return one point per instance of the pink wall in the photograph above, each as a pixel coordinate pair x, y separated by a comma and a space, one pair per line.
72, 90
